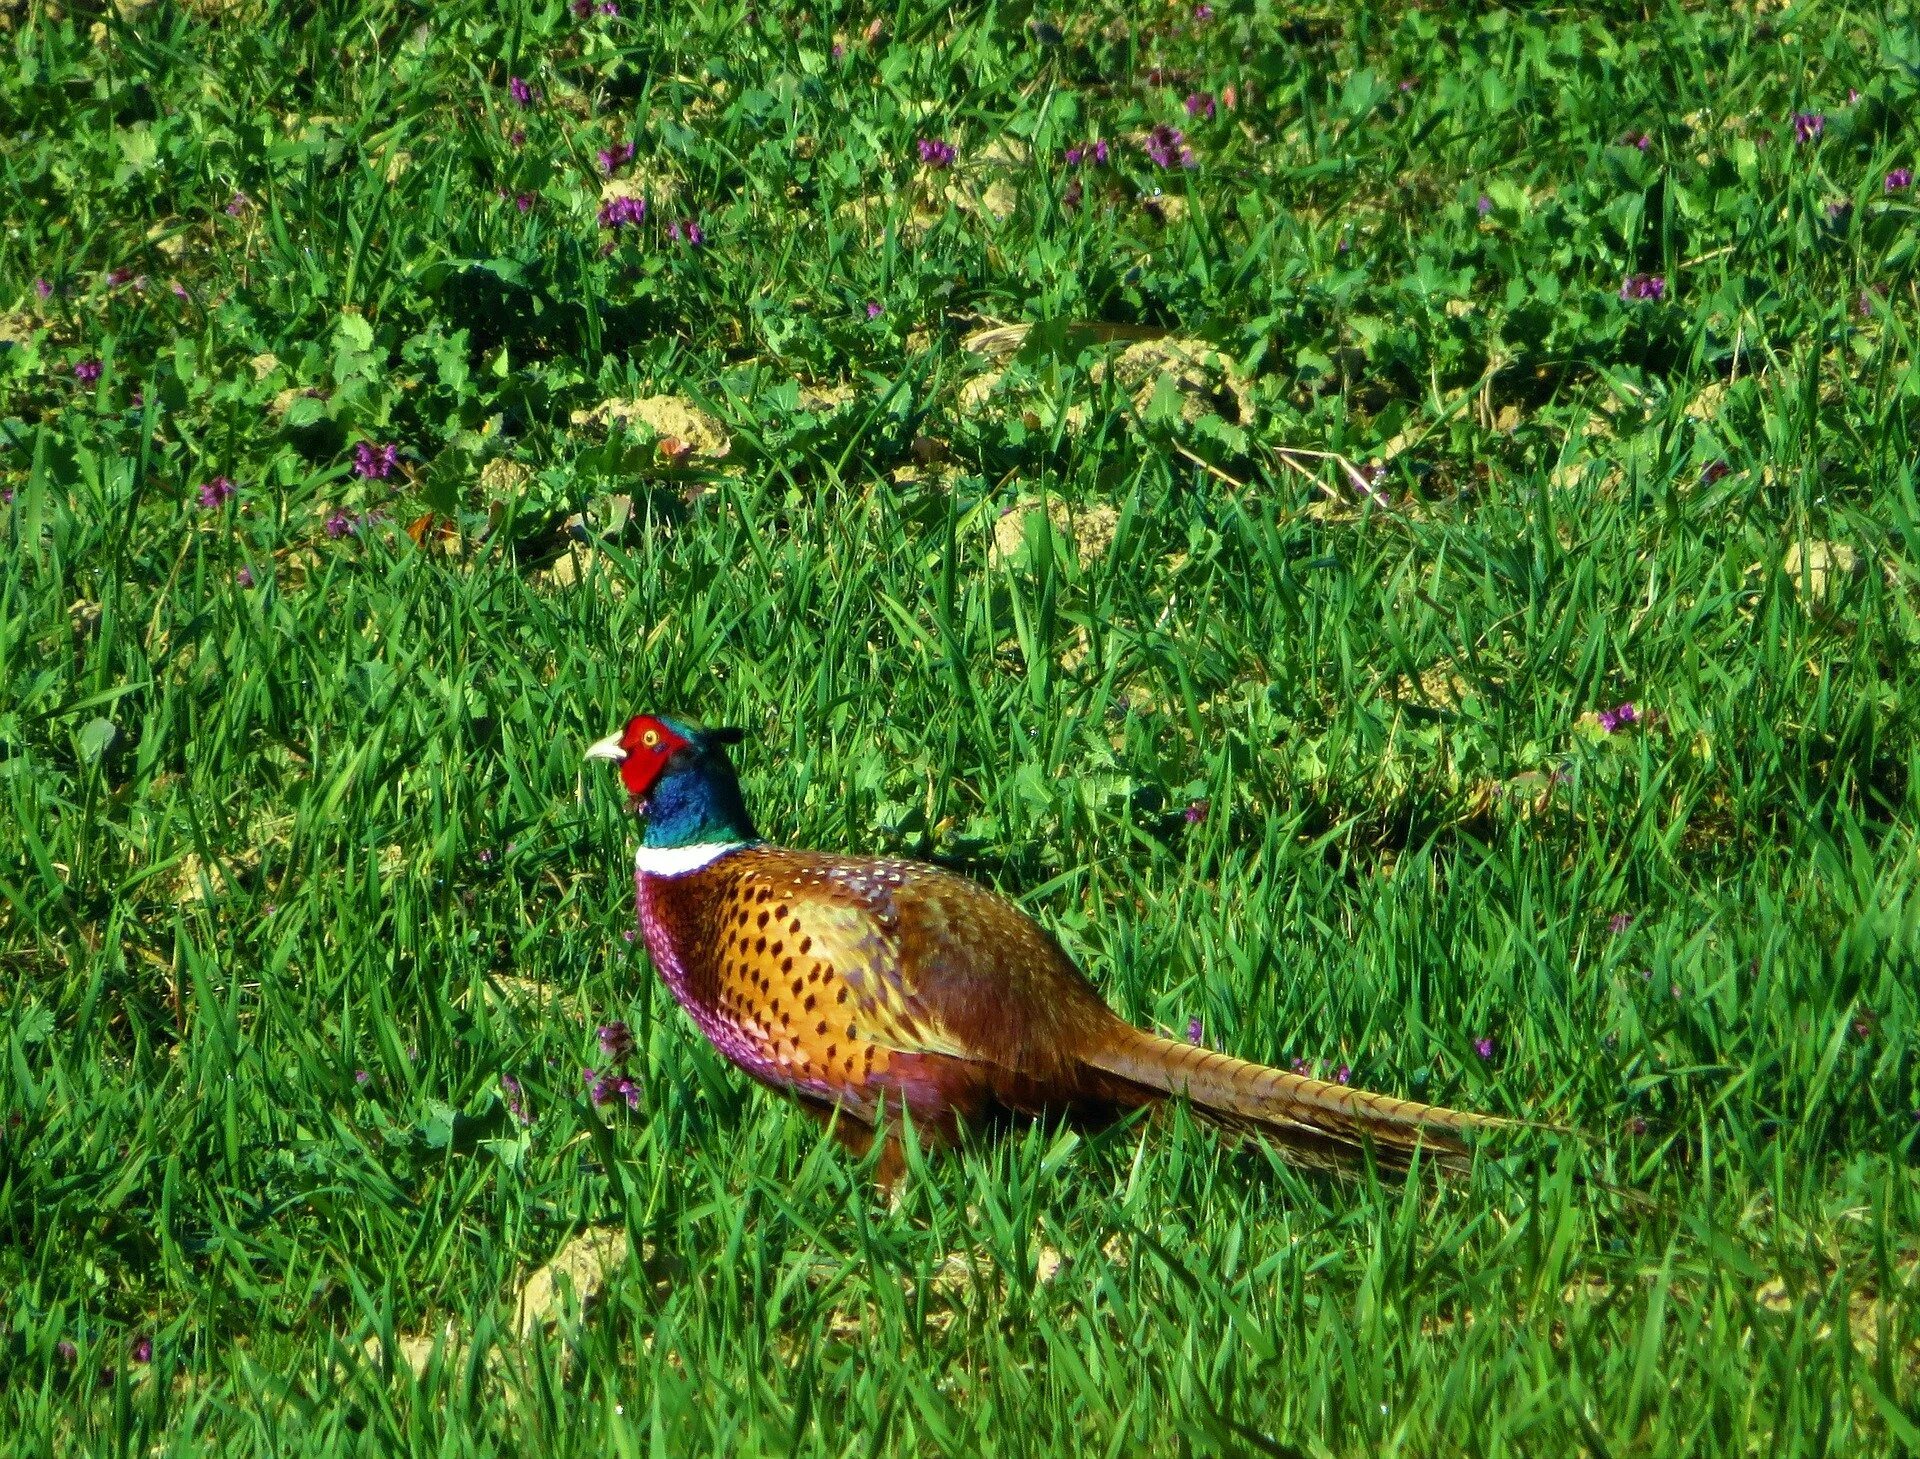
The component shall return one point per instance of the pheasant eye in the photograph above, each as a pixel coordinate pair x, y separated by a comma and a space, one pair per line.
650, 738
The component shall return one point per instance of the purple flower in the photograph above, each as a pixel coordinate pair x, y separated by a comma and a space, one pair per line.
1195, 812
516, 1099
1483, 1046
523, 201
517, 138
1618, 718
44, 288
244, 577
623, 213
520, 91
616, 1041
1644, 286
1713, 471
1838, 209
1484, 205
606, 1088
618, 155
142, 1350
239, 204
875, 309
178, 290
1200, 104
935, 152
689, 232
628, 934
486, 856
1343, 1074
608, 7
1167, 147
1619, 922
338, 525
1203, 13
1897, 178
1300, 1065
1807, 126
215, 492
375, 463
87, 371
119, 276
362, 1077
65, 1351
1072, 194
1642, 141
1194, 1032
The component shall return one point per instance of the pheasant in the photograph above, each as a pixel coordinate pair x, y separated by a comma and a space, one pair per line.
875, 987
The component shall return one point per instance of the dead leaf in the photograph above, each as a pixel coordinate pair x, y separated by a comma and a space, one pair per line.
572, 1282
1208, 380
1090, 529
1816, 568
667, 417
415, 1350
503, 477
580, 564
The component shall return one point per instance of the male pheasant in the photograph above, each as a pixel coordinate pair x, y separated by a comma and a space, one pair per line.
876, 986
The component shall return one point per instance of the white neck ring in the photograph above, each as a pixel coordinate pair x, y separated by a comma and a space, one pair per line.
679, 860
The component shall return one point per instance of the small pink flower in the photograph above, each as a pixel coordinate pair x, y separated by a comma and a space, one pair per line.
44, 288
214, 492
87, 371
520, 91
1194, 1032
875, 309
1200, 104
1483, 1047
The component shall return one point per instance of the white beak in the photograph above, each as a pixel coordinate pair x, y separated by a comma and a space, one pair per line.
607, 749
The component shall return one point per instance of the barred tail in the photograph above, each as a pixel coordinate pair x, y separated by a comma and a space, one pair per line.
1318, 1123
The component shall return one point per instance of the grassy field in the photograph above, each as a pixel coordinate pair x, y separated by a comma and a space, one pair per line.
1218, 474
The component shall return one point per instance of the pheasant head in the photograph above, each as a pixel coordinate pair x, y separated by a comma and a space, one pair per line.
679, 781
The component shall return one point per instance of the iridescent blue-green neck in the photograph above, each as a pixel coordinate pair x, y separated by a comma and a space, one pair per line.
697, 802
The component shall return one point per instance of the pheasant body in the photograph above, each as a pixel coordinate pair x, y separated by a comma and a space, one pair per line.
858, 983
876, 987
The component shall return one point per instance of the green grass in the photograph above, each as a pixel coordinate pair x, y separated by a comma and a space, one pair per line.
259, 840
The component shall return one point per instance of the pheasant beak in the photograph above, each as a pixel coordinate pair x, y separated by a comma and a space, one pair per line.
608, 749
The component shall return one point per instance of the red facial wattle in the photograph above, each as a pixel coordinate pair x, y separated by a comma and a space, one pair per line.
649, 744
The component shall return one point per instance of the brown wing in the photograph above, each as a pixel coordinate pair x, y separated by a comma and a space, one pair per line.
935, 964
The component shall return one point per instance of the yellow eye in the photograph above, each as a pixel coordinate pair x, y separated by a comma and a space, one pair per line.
650, 738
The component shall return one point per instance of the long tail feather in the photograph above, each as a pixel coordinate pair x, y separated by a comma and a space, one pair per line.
1319, 1123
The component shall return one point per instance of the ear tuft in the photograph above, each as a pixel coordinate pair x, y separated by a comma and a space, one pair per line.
728, 735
